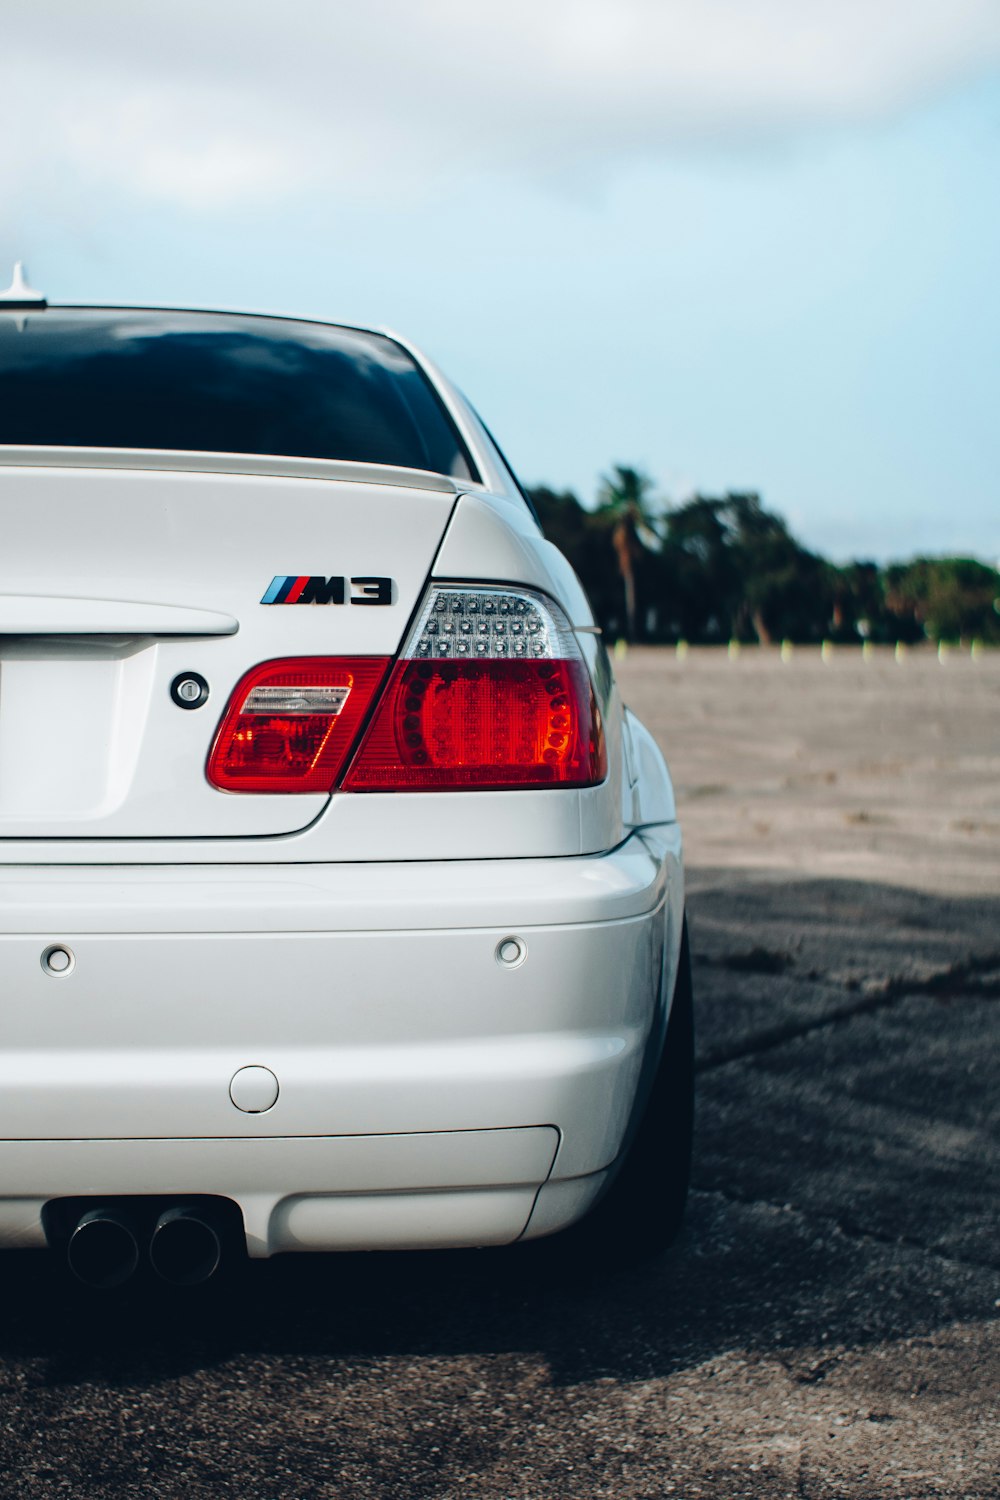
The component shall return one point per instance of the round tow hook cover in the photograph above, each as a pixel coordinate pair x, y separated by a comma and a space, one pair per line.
189, 690
253, 1090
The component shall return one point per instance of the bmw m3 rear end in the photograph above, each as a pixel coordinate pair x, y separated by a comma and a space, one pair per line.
341, 900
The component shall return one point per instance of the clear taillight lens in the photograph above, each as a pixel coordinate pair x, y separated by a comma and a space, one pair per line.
291, 724
491, 692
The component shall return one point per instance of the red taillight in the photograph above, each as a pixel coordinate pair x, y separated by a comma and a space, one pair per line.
290, 724
473, 724
491, 691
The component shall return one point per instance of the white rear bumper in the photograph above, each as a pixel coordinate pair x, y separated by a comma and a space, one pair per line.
426, 1090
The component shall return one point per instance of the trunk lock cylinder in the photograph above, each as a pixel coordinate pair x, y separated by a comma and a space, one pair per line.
189, 690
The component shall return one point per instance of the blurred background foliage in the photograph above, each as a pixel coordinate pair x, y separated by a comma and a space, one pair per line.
726, 568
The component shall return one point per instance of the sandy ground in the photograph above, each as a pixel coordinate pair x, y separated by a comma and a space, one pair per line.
826, 1326
875, 769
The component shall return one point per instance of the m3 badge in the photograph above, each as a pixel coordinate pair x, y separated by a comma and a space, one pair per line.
290, 588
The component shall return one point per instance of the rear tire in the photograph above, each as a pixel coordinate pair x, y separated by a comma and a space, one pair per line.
640, 1214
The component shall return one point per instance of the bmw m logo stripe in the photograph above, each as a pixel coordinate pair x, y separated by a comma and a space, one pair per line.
282, 588
303, 588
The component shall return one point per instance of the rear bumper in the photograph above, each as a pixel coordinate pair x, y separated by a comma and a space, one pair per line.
321, 1193
426, 1091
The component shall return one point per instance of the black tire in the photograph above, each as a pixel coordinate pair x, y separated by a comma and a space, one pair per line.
641, 1212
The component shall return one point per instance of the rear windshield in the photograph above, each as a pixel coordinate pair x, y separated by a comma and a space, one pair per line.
219, 383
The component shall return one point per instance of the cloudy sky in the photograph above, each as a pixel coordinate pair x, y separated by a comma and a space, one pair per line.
738, 243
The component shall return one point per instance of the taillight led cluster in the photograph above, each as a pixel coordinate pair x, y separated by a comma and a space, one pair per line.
490, 692
489, 623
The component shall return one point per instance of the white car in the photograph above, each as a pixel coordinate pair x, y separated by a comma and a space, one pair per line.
342, 901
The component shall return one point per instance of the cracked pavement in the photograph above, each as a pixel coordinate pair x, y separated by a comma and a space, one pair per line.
825, 1327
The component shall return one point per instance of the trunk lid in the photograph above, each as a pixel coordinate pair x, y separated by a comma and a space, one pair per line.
114, 581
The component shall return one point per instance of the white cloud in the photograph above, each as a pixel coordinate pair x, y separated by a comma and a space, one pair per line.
213, 104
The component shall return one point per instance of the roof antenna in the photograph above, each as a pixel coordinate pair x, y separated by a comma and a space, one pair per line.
19, 293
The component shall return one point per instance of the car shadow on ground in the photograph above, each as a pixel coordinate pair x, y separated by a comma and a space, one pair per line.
746, 1276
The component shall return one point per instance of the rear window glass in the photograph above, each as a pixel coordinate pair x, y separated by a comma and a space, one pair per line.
219, 383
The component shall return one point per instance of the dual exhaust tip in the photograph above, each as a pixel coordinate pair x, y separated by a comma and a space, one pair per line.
104, 1248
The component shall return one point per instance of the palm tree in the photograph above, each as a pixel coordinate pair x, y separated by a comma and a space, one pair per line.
623, 504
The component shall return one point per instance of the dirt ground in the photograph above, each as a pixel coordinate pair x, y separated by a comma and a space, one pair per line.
826, 1326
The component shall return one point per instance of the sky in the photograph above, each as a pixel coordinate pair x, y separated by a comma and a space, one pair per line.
739, 244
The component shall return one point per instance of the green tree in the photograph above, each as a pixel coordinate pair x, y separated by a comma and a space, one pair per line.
944, 598
739, 573
729, 568
784, 589
858, 603
623, 506
700, 569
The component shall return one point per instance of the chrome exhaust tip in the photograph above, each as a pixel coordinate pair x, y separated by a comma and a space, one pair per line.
102, 1250
185, 1248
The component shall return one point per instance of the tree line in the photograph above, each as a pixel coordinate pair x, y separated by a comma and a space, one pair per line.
726, 568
